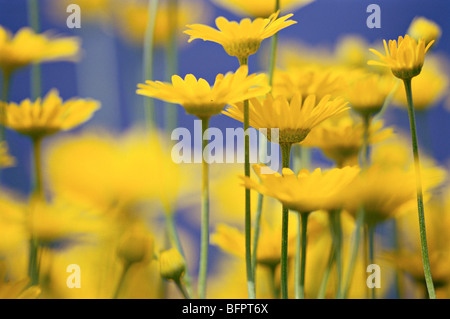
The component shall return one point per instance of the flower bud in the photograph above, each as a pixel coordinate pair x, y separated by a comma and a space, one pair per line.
172, 264
135, 246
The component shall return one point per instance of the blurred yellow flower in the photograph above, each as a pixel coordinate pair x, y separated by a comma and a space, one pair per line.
260, 8
367, 93
6, 160
423, 28
17, 289
136, 245
294, 118
341, 139
200, 99
93, 11
27, 47
131, 18
428, 87
405, 58
12, 233
240, 39
47, 116
171, 264
351, 50
307, 191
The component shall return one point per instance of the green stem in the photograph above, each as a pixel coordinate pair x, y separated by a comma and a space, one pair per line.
123, 275
326, 275
273, 285
304, 218
6, 85
273, 49
256, 233
285, 158
175, 239
182, 289
149, 51
336, 230
371, 233
203, 269
365, 147
420, 207
297, 258
34, 21
172, 62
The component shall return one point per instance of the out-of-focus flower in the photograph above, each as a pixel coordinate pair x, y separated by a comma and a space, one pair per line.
240, 39
200, 99
305, 81
423, 28
351, 50
47, 116
294, 118
305, 192
171, 264
341, 139
17, 289
120, 170
27, 47
132, 19
405, 58
12, 232
260, 8
136, 245
367, 94
93, 11
6, 160
428, 87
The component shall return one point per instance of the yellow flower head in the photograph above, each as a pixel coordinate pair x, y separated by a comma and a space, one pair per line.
16, 289
422, 28
351, 50
6, 160
47, 116
136, 245
405, 58
200, 99
428, 88
240, 39
172, 264
294, 118
341, 139
367, 93
27, 47
306, 192
260, 8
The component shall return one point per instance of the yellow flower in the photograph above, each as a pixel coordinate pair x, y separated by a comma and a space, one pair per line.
306, 192
307, 80
341, 139
17, 289
423, 28
260, 8
47, 116
6, 160
351, 50
294, 119
172, 264
428, 87
136, 245
240, 39
405, 58
27, 47
93, 11
131, 18
200, 99
367, 93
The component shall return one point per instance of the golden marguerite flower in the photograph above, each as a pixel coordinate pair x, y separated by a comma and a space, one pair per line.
27, 47
294, 119
307, 191
172, 265
200, 99
6, 160
260, 8
47, 116
423, 28
368, 93
341, 139
405, 58
240, 39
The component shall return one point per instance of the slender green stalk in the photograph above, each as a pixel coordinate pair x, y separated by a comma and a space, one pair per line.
149, 51
371, 233
297, 258
6, 85
365, 146
172, 62
304, 218
285, 158
256, 233
175, 239
182, 289
420, 207
273, 50
336, 231
34, 21
326, 274
272, 281
203, 269
123, 275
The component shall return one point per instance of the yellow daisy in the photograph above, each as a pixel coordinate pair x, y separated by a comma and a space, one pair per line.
47, 116
260, 8
307, 191
294, 119
240, 39
405, 58
27, 47
200, 99
423, 28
